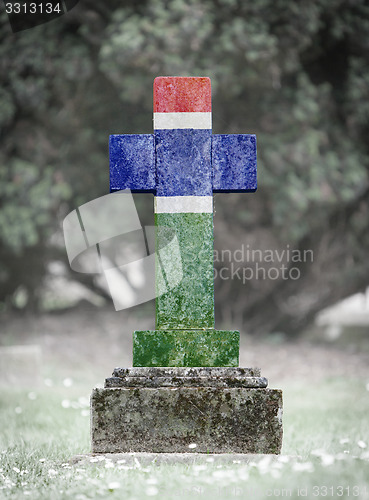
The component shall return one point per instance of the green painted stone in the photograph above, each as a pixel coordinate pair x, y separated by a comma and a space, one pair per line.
190, 305
186, 348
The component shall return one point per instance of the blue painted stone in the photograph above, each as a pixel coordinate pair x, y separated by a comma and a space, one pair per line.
132, 162
234, 163
183, 162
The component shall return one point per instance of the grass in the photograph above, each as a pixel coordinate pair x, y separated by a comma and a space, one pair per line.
325, 451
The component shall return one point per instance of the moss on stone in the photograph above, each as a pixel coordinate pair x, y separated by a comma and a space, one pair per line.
186, 348
191, 303
218, 420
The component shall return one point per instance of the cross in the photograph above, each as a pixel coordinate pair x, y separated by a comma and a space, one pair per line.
183, 164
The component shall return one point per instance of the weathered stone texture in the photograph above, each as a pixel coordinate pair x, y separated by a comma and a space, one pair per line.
252, 382
174, 371
191, 303
187, 377
217, 420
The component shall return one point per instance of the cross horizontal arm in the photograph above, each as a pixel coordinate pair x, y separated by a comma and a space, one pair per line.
234, 163
132, 162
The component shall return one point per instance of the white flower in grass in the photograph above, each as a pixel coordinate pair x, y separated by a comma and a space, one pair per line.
275, 473
327, 460
318, 453
85, 413
83, 401
277, 465
123, 461
15, 469
361, 444
192, 446
219, 473
243, 474
206, 479
341, 456
8, 482
264, 464
52, 472
65, 403
18, 410
67, 382
225, 475
109, 465
152, 491
199, 467
42, 460
114, 485
303, 467
94, 459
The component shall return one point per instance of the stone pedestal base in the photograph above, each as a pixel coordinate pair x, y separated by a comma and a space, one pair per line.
165, 410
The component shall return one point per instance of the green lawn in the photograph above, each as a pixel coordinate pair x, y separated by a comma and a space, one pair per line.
325, 451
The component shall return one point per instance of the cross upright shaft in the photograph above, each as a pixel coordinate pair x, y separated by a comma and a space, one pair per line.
184, 201
183, 164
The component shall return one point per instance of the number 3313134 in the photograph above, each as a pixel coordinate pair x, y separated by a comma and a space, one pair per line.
33, 8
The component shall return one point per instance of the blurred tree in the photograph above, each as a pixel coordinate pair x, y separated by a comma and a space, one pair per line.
296, 74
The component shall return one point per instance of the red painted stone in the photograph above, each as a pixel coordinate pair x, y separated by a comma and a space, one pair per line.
182, 94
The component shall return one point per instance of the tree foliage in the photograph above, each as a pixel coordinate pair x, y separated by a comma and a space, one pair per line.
294, 73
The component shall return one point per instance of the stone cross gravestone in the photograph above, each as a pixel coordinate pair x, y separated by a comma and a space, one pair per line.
185, 386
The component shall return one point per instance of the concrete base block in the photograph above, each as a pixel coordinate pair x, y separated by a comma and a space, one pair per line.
169, 419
